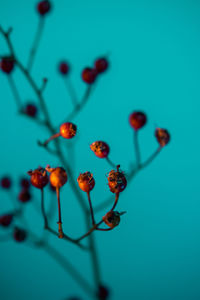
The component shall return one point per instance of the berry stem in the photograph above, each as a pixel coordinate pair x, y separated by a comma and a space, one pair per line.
15, 92
137, 149
110, 162
151, 158
61, 235
91, 209
36, 42
71, 90
43, 209
54, 136
89, 231
116, 200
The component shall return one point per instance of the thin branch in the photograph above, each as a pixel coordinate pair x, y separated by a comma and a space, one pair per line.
113, 165
137, 149
91, 209
116, 200
71, 90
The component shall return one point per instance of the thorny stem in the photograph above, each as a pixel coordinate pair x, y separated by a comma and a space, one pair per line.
91, 209
35, 43
59, 214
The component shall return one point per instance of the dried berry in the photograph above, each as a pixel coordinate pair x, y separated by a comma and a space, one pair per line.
89, 75
64, 68
101, 65
39, 178
103, 292
19, 234
100, 149
86, 181
44, 7
116, 181
6, 220
31, 110
137, 120
7, 64
5, 182
68, 130
24, 196
112, 218
25, 183
162, 136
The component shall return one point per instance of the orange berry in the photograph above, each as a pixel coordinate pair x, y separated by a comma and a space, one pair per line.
112, 219
137, 120
68, 130
162, 136
86, 181
100, 149
39, 177
58, 176
116, 181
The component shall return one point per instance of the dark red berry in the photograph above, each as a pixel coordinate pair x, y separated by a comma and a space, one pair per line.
103, 292
116, 181
6, 220
25, 183
64, 68
44, 7
100, 149
101, 65
6, 182
31, 110
7, 64
39, 178
137, 120
112, 218
162, 136
24, 196
89, 75
19, 234
68, 130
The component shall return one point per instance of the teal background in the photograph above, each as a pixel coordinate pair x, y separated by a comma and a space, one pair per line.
154, 53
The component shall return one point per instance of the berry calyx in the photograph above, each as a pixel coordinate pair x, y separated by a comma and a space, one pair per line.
58, 176
6, 220
162, 136
137, 120
7, 64
101, 65
39, 177
68, 130
112, 219
64, 68
19, 234
86, 182
100, 149
31, 110
116, 181
44, 7
5, 182
24, 196
103, 292
89, 75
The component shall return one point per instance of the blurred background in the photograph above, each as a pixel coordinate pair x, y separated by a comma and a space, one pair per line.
154, 53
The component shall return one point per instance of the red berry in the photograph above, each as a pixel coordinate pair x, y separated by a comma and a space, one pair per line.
6, 220
43, 7
39, 178
112, 218
24, 196
86, 181
100, 149
103, 292
7, 64
25, 183
31, 110
137, 120
64, 68
58, 176
19, 234
116, 181
68, 130
89, 75
162, 136
101, 65
5, 182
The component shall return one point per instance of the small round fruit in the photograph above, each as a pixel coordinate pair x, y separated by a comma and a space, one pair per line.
116, 181
5, 182
24, 196
112, 219
103, 292
63, 68
44, 7
58, 177
6, 220
31, 110
162, 136
7, 64
89, 75
100, 149
39, 178
86, 182
137, 120
19, 234
101, 65
68, 130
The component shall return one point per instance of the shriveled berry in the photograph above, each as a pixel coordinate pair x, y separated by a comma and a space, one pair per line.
68, 130
162, 136
137, 120
39, 178
7, 64
112, 219
24, 196
103, 292
19, 234
31, 110
6, 182
116, 181
101, 64
100, 149
44, 7
6, 220
89, 75
58, 176
25, 183
64, 68
86, 181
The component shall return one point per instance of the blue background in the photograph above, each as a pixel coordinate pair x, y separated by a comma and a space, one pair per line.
154, 53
